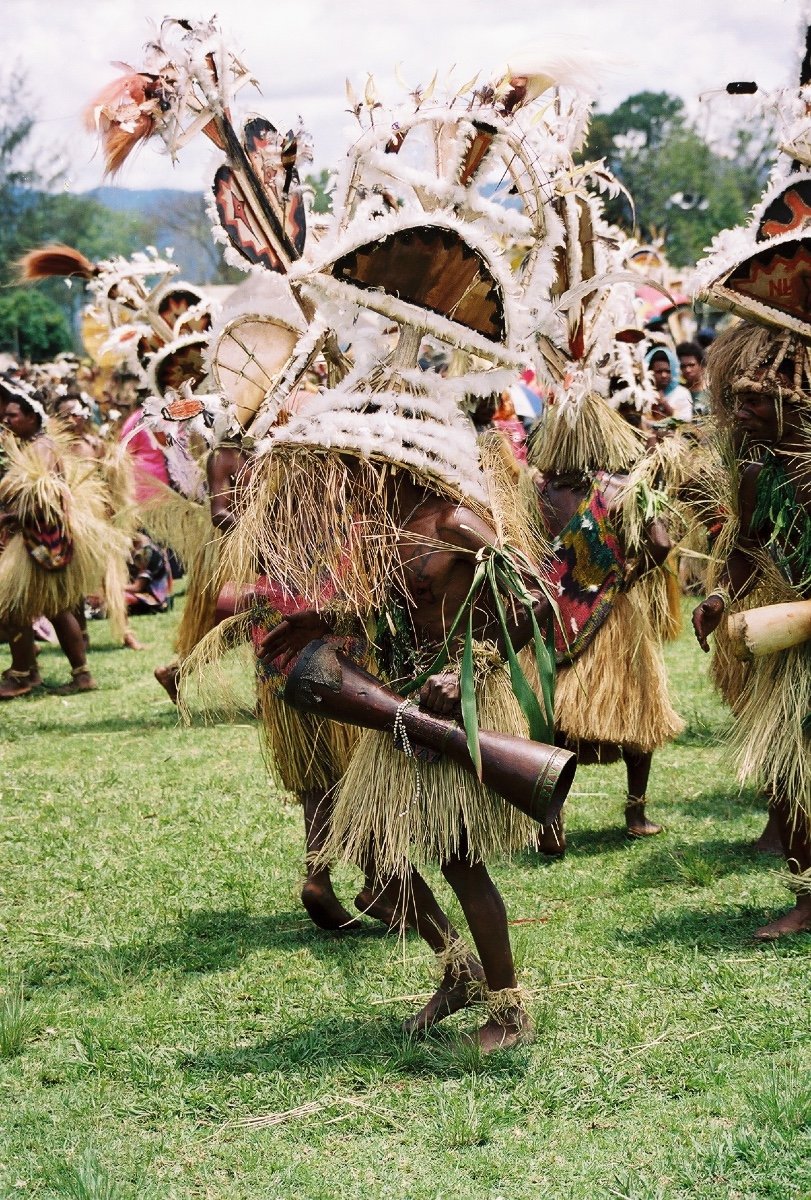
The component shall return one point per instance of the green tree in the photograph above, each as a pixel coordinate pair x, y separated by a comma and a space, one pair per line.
682, 187
32, 326
34, 214
648, 115
322, 201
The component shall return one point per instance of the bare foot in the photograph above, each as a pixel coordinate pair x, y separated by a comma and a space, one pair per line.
34, 677
372, 905
637, 824
324, 908
168, 677
797, 920
512, 1028
14, 684
770, 841
462, 986
552, 839
131, 642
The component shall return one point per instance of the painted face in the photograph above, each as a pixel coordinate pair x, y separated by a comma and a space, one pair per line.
692, 371
22, 422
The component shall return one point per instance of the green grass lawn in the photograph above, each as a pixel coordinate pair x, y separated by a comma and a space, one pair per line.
172, 1026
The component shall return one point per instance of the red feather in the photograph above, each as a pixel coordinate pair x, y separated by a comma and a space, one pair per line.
53, 260
123, 114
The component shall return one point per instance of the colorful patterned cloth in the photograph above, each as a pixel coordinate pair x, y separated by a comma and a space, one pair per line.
586, 573
48, 544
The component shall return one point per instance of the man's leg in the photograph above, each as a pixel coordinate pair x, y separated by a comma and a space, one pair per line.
795, 833
22, 676
374, 899
317, 894
637, 766
770, 841
71, 639
81, 620
508, 1022
413, 903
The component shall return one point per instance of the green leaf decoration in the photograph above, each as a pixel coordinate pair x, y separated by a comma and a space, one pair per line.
467, 682
499, 569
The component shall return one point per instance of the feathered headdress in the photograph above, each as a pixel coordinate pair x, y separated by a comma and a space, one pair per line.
162, 328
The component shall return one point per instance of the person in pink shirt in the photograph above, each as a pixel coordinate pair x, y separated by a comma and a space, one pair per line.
149, 461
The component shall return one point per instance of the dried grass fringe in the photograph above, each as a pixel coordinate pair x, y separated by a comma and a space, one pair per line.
320, 525
728, 672
213, 681
34, 485
116, 579
617, 690
117, 472
302, 751
378, 801
455, 956
800, 884
513, 503
659, 594
663, 469
590, 437
172, 520
501, 1005
203, 584
74, 496
770, 739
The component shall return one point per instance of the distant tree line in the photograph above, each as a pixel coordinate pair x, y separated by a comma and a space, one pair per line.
37, 322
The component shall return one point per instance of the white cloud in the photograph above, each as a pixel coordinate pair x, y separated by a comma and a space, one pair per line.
301, 51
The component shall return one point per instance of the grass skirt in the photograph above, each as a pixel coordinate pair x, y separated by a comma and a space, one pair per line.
728, 672
616, 691
414, 811
772, 734
69, 492
302, 750
202, 589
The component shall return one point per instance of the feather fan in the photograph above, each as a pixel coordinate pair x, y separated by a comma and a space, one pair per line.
55, 259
